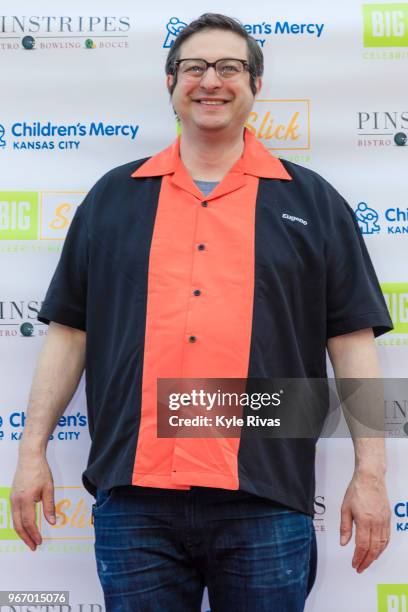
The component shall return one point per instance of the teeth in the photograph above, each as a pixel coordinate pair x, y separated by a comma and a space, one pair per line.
213, 102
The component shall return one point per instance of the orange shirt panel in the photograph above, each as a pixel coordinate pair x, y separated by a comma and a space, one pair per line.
220, 318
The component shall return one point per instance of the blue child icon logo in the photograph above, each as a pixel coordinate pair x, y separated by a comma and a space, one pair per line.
174, 27
367, 219
2, 141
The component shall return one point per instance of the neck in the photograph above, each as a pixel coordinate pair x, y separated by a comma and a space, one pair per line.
209, 158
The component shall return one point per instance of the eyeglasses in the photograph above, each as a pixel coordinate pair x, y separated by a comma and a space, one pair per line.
226, 68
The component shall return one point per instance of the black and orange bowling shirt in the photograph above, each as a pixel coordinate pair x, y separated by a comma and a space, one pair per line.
248, 281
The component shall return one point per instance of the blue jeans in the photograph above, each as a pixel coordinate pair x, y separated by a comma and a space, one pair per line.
156, 550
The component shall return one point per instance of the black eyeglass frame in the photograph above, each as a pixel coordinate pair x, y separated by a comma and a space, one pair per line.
244, 63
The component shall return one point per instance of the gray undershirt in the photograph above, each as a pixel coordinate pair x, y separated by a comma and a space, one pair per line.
206, 186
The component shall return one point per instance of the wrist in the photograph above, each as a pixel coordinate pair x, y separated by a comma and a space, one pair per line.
370, 471
32, 448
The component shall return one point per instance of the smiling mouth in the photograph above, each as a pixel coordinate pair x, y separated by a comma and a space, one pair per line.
211, 102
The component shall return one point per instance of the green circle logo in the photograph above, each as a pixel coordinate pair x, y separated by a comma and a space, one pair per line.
400, 139
89, 43
28, 42
27, 329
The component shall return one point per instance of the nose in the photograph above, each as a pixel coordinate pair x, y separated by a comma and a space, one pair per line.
210, 79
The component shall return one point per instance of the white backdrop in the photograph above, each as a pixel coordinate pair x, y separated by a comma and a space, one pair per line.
337, 85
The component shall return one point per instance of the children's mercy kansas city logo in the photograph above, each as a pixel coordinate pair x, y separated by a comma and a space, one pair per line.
260, 31
173, 27
367, 219
2, 141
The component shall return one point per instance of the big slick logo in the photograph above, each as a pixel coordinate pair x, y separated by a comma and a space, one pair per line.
46, 32
258, 30
385, 25
396, 298
37, 215
281, 124
392, 597
73, 511
382, 128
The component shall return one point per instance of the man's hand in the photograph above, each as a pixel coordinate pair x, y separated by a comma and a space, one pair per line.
59, 369
354, 355
32, 483
366, 503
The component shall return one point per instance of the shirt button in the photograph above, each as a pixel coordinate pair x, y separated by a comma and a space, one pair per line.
205, 204
197, 292
201, 247
192, 339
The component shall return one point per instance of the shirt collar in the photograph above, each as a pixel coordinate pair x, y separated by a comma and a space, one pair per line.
256, 160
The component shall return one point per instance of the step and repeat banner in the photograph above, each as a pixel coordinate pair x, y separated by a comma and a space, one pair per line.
84, 91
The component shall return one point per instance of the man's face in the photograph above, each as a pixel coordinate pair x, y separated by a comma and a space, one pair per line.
228, 101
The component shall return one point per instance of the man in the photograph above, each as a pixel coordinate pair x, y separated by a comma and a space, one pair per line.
212, 259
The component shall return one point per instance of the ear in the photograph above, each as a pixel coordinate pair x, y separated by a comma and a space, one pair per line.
169, 81
259, 84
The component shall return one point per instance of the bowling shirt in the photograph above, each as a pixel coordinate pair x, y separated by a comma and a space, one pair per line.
248, 281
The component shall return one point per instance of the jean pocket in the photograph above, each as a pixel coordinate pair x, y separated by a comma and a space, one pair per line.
103, 499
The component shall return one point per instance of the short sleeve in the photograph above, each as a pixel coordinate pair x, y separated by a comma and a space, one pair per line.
354, 297
65, 300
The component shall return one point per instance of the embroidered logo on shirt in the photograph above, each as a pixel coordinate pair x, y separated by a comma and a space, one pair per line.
292, 218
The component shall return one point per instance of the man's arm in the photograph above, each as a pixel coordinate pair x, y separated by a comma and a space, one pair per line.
59, 369
366, 502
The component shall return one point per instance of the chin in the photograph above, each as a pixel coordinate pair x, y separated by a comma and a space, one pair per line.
214, 126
